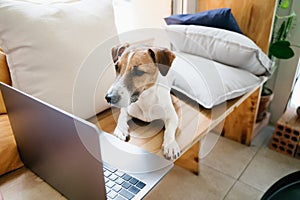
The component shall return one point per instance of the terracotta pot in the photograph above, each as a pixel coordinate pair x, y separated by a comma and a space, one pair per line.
264, 103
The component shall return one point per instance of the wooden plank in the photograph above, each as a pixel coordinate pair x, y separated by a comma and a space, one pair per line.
255, 18
239, 125
190, 159
194, 123
260, 125
4, 77
4, 71
10, 159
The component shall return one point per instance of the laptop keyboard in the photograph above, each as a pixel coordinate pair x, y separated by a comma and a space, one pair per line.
120, 185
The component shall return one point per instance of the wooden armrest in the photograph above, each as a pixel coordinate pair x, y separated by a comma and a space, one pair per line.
9, 154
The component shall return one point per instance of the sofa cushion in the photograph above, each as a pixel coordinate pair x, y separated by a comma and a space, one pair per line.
210, 83
47, 41
9, 155
220, 45
4, 77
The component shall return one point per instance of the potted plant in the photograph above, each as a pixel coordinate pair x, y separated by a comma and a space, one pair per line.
280, 48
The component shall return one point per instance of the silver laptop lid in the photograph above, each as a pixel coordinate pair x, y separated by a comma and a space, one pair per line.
51, 144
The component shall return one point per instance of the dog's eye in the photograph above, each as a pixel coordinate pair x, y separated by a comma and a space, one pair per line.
137, 72
117, 68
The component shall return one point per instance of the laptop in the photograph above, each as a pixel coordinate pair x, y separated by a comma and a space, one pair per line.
74, 156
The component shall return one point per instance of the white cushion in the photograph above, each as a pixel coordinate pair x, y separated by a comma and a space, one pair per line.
224, 46
46, 42
208, 82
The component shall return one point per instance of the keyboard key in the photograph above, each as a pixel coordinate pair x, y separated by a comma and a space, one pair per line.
110, 184
119, 173
106, 179
110, 168
140, 185
133, 181
126, 185
112, 194
119, 181
117, 188
126, 194
126, 177
134, 189
119, 185
107, 173
113, 177
120, 198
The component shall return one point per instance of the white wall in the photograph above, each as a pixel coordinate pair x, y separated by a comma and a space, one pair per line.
283, 79
142, 21
295, 99
137, 14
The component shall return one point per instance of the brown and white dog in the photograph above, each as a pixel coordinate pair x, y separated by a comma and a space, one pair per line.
141, 90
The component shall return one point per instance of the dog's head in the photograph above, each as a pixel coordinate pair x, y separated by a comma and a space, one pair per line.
137, 69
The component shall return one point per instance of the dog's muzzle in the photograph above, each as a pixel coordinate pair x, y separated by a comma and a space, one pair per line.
112, 98
121, 99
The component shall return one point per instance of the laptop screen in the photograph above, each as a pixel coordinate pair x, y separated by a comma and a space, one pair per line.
60, 148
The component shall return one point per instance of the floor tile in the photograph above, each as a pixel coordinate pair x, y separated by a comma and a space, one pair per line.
267, 167
20, 181
229, 157
263, 138
229, 171
243, 191
182, 184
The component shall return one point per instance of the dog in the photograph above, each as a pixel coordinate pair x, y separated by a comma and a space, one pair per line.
141, 91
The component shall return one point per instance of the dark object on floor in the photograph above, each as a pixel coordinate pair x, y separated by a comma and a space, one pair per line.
298, 111
265, 100
287, 187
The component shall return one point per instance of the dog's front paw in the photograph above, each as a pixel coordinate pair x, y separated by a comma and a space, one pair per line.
171, 150
122, 135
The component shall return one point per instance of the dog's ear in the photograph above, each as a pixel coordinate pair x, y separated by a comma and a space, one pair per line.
163, 58
118, 50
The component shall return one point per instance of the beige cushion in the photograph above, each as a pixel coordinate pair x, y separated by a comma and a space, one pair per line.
208, 82
220, 45
9, 155
4, 77
51, 39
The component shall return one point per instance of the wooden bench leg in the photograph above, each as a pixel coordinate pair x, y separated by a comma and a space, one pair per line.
239, 125
190, 159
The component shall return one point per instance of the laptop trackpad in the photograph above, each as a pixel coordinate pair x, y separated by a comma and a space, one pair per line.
129, 158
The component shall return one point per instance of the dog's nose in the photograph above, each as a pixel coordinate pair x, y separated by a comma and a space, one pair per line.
112, 98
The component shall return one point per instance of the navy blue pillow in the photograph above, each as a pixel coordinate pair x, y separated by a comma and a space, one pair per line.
218, 18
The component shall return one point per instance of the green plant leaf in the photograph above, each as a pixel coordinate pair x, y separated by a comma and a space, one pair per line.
285, 4
280, 31
288, 26
282, 50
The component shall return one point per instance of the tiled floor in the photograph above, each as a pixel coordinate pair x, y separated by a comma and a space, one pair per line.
231, 171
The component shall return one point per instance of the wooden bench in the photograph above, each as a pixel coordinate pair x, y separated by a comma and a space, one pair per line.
195, 122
